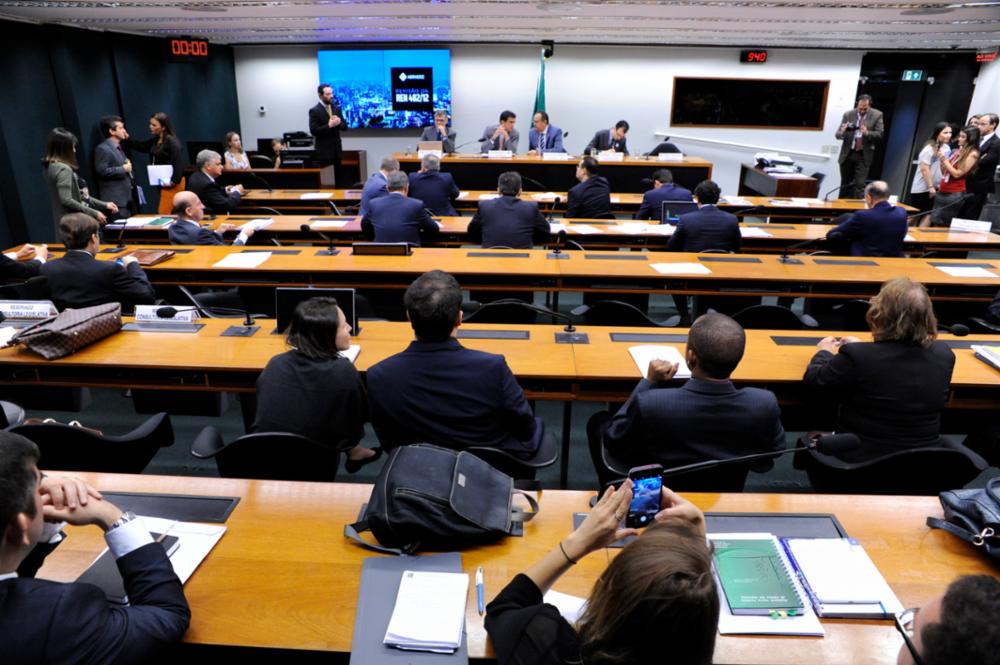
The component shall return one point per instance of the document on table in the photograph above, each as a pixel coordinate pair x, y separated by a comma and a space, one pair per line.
680, 268
488, 197
352, 353
462, 195
257, 224
754, 232
966, 271
243, 260
159, 174
909, 238
196, 541
570, 607
736, 201
644, 353
583, 229
336, 224
556, 227
429, 614
312, 196
140, 220
546, 196
6, 333
805, 201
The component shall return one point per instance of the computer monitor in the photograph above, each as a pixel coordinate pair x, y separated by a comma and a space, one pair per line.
674, 209
287, 299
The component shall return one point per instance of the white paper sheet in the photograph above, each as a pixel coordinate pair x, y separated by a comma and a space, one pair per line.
488, 197
462, 195
680, 268
966, 271
429, 613
556, 227
570, 607
644, 353
257, 224
243, 260
312, 196
544, 196
11, 255
736, 200
909, 238
159, 174
139, 220
329, 225
352, 353
631, 228
805, 201
754, 232
196, 541
583, 229
5, 334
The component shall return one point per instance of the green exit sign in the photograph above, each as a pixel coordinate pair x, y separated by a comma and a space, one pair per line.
913, 75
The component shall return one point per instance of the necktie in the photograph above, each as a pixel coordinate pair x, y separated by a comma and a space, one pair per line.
858, 137
541, 141
329, 111
124, 158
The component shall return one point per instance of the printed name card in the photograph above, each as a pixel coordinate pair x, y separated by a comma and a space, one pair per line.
27, 309
970, 225
499, 154
148, 313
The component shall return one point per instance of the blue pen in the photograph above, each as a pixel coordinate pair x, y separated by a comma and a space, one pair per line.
479, 590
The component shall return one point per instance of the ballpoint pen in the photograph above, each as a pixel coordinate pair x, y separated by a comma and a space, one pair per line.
479, 590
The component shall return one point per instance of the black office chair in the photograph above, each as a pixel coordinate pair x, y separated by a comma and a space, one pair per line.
34, 288
11, 415
210, 300
820, 177
515, 467
982, 326
70, 448
773, 317
664, 146
261, 162
507, 310
268, 456
716, 251
618, 313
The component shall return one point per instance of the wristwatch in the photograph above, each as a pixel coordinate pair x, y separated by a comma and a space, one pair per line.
126, 517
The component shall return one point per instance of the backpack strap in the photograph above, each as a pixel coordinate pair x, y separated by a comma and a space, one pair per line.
352, 532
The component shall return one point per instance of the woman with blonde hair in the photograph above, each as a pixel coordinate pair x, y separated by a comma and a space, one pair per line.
235, 158
890, 391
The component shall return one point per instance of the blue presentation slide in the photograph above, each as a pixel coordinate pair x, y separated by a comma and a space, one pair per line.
392, 89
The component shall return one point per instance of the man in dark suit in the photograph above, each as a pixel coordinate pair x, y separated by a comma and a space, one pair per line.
80, 280
56, 623
664, 189
440, 131
398, 218
187, 230
326, 122
981, 183
112, 166
707, 227
375, 186
606, 140
508, 221
879, 229
27, 262
707, 418
437, 190
860, 131
591, 198
437, 391
218, 200
543, 137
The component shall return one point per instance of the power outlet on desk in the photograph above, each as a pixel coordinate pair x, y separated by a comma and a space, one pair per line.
572, 338
240, 331
560, 255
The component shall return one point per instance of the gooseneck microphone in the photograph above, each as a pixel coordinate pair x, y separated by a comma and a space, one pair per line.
246, 330
329, 251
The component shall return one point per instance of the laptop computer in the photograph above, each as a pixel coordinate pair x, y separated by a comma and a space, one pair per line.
673, 209
287, 299
430, 146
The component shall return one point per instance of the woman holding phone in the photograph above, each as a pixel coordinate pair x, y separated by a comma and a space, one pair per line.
954, 169
928, 175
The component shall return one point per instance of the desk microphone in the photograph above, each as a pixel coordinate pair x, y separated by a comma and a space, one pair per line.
962, 199
557, 252
120, 245
832, 236
329, 251
267, 187
574, 335
455, 149
542, 185
837, 188
957, 329
246, 330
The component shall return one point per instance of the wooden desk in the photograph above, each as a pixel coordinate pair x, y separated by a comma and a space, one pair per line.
756, 182
475, 171
284, 577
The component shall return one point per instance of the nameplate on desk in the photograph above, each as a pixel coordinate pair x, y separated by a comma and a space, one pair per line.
970, 225
499, 255
465, 333
783, 227
945, 264
730, 259
670, 157
844, 262
275, 251
27, 309
788, 340
162, 326
620, 256
499, 154
962, 343
647, 337
180, 507
555, 156
943, 231
611, 156
148, 313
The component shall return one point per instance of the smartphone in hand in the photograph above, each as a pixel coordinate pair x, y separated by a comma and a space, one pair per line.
646, 483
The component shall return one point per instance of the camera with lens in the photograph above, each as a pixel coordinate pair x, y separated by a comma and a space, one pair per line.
852, 127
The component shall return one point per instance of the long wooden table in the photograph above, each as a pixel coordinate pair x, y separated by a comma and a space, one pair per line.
284, 577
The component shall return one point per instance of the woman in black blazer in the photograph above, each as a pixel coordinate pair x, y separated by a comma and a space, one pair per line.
312, 389
163, 146
890, 391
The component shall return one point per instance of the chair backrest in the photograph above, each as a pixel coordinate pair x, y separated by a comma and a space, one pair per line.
665, 146
71, 448
725, 478
819, 180
616, 313
34, 288
921, 471
508, 310
278, 456
261, 162
167, 197
768, 317
851, 315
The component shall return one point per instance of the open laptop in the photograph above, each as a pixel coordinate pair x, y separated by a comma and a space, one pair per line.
673, 209
287, 299
430, 146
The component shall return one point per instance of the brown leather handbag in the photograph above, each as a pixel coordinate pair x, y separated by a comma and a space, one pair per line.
71, 330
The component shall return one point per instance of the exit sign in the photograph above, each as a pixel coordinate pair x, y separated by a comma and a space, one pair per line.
913, 75
986, 56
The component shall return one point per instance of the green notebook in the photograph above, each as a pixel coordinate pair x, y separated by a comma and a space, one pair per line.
755, 577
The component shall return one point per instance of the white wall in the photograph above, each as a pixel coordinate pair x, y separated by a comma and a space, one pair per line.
587, 88
986, 95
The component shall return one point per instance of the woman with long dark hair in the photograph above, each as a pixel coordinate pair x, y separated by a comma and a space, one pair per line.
163, 146
923, 190
962, 161
65, 193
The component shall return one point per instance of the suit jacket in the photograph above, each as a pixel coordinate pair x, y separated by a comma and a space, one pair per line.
79, 280
374, 187
445, 394
55, 623
706, 228
186, 232
981, 182
447, 143
508, 221
652, 201
64, 194
109, 166
876, 231
487, 144
876, 130
890, 394
328, 143
553, 139
397, 218
700, 421
589, 199
436, 189
11, 269
212, 194
602, 141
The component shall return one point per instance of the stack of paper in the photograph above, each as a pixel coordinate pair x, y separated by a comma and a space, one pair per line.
966, 271
544, 196
645, 353
487, 197
243, 260
680, 268
988, 354
754, 232
736, 201
312, 196
334, 224
429, 614
257, 224
583, 229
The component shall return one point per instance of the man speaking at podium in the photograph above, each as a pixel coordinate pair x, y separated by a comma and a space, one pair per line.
326, 121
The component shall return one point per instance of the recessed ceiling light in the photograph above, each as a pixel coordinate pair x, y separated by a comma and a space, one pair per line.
204, 8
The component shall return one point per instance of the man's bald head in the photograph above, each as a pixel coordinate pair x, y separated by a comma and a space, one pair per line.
188, 206
717, 343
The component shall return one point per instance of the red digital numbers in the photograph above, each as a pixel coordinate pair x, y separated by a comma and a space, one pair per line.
753, 56
185, 50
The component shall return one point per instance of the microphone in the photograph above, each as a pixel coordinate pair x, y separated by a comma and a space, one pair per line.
329, 251
120, 246
573, 336
956, 202
557, 252
246, 330
747, 211
784, 258
542, 185
835, 189
957, 329
462, 145
267, 187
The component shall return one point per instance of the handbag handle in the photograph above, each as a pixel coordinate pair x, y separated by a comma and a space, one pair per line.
521, 515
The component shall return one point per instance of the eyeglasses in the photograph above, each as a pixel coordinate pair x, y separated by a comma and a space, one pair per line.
905, 621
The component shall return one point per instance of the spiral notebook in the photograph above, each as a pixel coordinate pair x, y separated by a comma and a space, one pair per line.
755, 575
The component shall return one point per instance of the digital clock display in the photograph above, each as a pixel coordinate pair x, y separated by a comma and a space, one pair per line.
186, 49
756, 56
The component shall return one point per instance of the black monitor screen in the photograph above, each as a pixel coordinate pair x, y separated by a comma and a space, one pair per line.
287, 299
760, 103
674, 209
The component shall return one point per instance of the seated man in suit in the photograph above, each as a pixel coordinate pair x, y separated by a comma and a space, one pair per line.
437, 190
437, 391
398, 218
508, 221
27, 263
609, 140
543, 137
707, 418
879, 229
375, 185
218, 200
187, 230
55, 623
707, 227
591, 198
502, 136
664, 189
80, 280
439, 131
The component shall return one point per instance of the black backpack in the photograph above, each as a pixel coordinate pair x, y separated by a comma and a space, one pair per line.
428, 497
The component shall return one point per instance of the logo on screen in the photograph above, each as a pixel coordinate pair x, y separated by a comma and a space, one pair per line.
412, 89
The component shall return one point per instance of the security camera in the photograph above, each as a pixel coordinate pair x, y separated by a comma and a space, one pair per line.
262, 109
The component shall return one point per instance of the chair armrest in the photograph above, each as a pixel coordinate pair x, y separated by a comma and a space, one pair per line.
208, 443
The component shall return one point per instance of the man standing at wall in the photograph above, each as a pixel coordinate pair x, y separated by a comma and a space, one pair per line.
326, 121
861, 130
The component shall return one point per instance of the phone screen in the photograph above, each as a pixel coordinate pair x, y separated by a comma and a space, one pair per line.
646, 484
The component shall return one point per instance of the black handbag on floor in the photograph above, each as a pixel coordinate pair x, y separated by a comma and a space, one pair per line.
428, 497
973, 515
